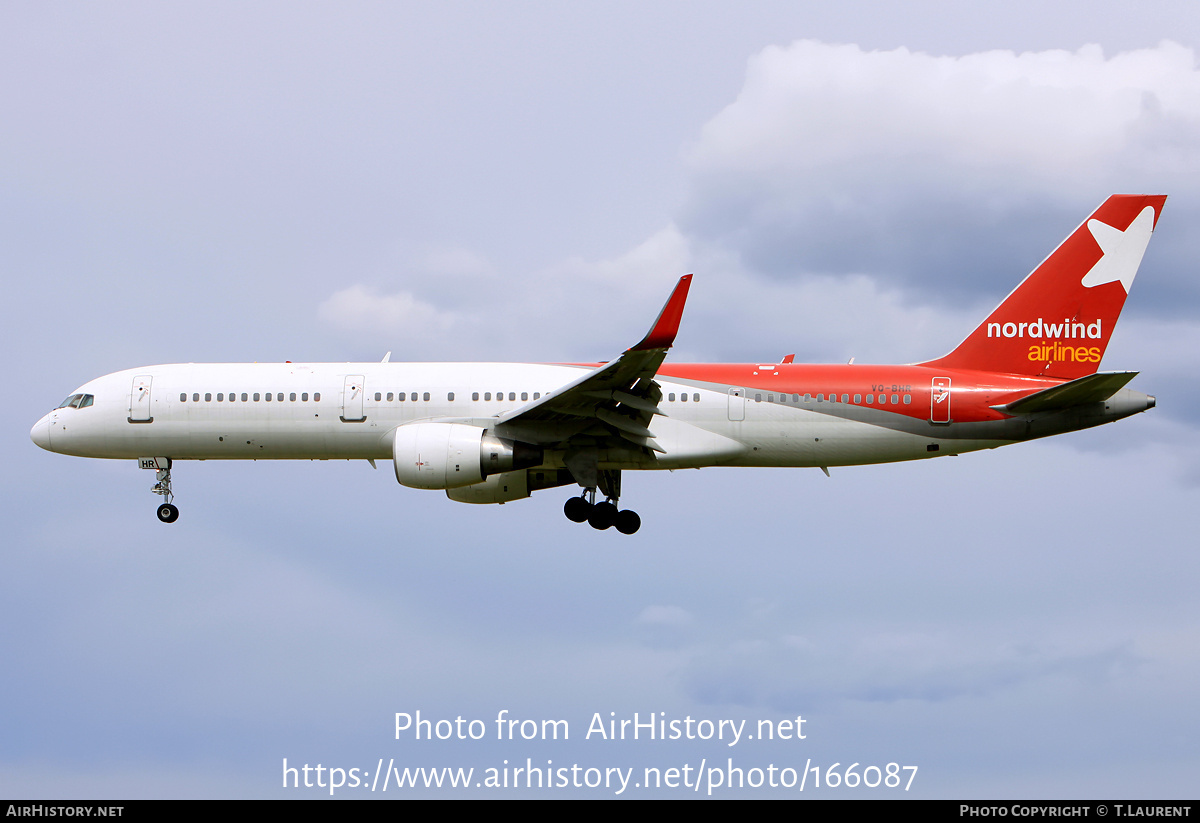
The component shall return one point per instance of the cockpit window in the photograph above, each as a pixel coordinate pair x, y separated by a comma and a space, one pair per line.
77, 401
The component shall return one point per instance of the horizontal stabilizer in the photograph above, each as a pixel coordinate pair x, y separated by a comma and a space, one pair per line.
1091, 389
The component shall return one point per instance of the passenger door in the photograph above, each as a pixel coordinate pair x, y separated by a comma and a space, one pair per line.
139, 399
939, 403
352, 399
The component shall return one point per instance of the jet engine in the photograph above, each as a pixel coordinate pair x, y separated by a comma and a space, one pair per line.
452, 455
498, 488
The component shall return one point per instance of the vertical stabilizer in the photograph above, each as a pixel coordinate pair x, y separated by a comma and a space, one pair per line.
1057, 323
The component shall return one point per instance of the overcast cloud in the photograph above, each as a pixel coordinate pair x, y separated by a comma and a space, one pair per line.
463, 182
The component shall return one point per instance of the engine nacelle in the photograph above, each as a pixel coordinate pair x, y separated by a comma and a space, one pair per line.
498, 488
452, 455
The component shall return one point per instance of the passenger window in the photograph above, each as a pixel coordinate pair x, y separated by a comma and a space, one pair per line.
425, 396
795, 398
450, 396
487, 395
870, 398
845, 398
316, 397
808, 398
413, 397
378, 397
537, 395
895, 399
524, 395
208, 397
858, 398
71, 401
757, 397
671, 397
696, 398
304, 397
820, 398
256, 397
292, 397
267, 398
512, 395
474, 395
220, 397
907, 399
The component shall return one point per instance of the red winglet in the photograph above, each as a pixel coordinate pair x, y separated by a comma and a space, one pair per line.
662, 333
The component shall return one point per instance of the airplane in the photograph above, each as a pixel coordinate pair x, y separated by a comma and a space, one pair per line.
497, 432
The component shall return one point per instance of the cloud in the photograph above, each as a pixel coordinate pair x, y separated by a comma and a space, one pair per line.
783, 674
454, 304
400, 316
954, 176
873, 204
673, 616
665, 627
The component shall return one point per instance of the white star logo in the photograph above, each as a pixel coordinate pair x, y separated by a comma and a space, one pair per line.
1123, 250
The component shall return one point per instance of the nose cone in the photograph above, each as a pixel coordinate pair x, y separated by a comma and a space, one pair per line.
40, 433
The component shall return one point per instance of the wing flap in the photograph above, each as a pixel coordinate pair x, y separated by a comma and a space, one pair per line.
623, 423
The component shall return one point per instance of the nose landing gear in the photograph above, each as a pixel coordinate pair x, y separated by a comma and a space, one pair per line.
167, 511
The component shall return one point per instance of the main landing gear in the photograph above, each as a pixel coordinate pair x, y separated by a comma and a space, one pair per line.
167, 511
601, 515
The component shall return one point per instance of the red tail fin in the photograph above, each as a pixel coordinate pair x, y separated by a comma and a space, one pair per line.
1057, 323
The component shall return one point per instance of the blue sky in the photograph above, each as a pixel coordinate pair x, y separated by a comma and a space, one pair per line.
223, 182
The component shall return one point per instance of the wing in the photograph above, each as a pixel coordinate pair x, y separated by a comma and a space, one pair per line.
612, 403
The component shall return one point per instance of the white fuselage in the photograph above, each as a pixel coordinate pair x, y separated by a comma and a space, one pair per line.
206, 411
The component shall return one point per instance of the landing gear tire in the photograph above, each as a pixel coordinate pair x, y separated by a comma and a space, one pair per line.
168, 513
577, 509
602, 516
628, 522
